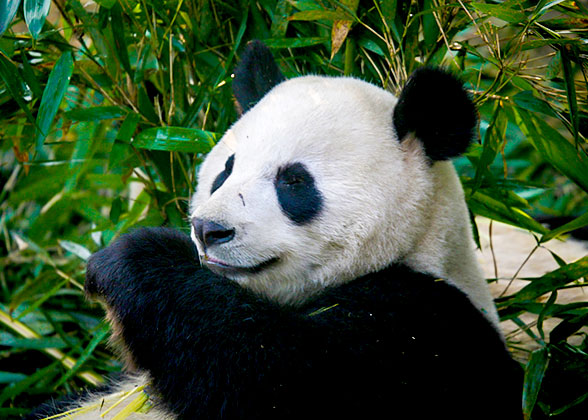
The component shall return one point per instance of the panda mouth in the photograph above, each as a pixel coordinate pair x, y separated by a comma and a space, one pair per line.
224, 269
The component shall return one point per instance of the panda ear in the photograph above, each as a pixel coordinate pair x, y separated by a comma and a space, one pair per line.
256, 75
435, 107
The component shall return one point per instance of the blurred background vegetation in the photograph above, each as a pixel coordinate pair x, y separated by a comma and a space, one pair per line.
107, 107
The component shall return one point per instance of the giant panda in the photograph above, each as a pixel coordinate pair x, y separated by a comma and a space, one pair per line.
329, 271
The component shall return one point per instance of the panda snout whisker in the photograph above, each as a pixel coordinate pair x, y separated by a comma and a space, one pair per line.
210, 233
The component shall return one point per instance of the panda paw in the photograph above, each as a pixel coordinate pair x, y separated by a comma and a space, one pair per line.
135, 256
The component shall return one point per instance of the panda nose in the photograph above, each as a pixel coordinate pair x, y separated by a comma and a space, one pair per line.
211, 233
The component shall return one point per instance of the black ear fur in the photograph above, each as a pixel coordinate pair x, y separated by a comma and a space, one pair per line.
256, 75
435, 106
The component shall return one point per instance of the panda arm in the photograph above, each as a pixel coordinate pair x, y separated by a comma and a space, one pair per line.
213, 349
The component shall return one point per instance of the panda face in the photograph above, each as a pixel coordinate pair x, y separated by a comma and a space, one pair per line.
309, 188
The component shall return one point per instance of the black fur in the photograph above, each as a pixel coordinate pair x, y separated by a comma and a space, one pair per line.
298, 196
222, 177
393, 344
437, 109
256, 74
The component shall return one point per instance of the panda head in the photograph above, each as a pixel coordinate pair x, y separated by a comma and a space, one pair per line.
325, 179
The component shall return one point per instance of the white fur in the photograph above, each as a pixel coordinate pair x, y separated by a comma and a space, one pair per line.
383, 202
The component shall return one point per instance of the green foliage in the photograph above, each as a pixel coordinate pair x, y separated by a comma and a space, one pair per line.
107, 109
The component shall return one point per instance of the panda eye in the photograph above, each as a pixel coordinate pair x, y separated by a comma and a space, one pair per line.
222, 177
297, 193
292, 175
293, 180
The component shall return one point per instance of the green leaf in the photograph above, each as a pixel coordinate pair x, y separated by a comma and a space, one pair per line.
35, 12
558, 151
493, 139
11, 77
52, 96
26, 383
32, 343
430, 27
146, 106
8, 10
495, 209
118, 35
97, 339
571, 90
106, 3
500, 11
128, 127
121, 152
554, 280
537, 43
577, 223
543, 6
76, 249
330, 15
96, 113
28, 75
534, 373
567, 327
280, 19
176, 139
281, 43
528, 101
10, 377
115, 210
566, 407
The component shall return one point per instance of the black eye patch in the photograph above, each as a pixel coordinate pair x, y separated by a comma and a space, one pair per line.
298, 196
222, 177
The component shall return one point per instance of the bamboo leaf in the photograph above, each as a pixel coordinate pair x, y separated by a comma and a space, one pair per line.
534, 373
493, 139
567, 328
115, 210
571, 90
577, 223
176, 139
9, 377
280, 43
8, 10
32, 343
29, 77
78, 250
11, 77
496, 209
21, 386
543, 6
118, 34
554, 147
96, 113
528, 101
52, 96
339, 34
329, 15
430, 28
99, 335
35, 12
341, 28
553, 280
106, 3
280, 19
501, 11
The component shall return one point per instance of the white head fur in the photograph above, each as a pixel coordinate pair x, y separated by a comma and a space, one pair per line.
384, 200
